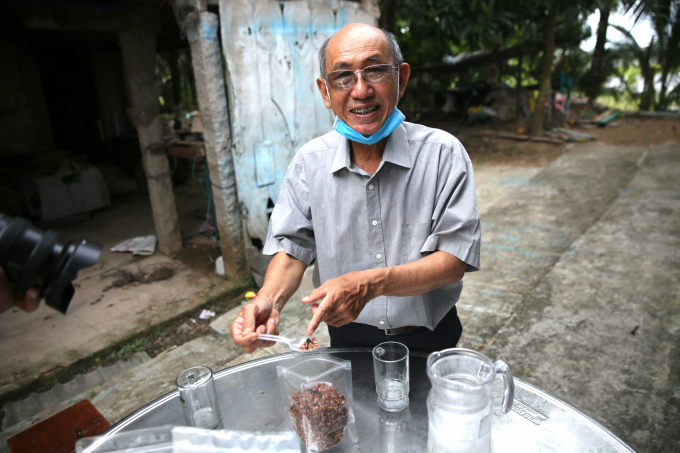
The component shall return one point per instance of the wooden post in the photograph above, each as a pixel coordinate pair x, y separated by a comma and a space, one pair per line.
139, 58
546, 73
201, 29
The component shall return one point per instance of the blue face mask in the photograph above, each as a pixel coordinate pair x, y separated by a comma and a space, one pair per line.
394, 120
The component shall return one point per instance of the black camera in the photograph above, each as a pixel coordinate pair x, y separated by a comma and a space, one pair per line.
33, 258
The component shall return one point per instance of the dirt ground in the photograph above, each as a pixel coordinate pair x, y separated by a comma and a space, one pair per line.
629, 130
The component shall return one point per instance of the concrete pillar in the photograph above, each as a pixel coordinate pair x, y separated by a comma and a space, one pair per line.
201, 30
139, 58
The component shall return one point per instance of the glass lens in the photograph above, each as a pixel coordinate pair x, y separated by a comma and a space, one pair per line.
378, 73
341, 79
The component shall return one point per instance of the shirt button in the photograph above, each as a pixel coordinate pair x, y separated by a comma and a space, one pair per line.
370, 187
374, 222
382, 323
378, 256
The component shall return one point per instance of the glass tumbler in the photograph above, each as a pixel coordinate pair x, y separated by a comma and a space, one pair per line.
390, 366
198, 398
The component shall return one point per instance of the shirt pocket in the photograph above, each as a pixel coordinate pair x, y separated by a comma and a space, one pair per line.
413, 237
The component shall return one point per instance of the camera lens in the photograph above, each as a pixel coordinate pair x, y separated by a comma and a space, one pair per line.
33, 258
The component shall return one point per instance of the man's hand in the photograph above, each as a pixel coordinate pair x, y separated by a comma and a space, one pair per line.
262, 314
259, 316
8, 298
343, 297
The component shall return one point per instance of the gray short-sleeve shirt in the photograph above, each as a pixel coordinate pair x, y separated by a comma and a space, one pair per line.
420, 200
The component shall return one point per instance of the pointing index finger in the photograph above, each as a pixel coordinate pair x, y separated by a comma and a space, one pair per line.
319, 315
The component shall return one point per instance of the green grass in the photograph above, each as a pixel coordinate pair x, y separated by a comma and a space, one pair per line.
130, 348
623, 103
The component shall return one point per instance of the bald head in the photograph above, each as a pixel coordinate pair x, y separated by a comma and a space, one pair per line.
364, 31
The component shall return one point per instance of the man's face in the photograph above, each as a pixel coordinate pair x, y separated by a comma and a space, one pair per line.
364, 107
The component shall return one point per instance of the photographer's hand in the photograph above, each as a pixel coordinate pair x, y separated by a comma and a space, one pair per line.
8, 298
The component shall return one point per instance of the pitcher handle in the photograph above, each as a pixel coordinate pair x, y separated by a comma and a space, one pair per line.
508, 385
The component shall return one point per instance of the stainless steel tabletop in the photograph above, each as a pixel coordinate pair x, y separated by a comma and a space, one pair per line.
250, 400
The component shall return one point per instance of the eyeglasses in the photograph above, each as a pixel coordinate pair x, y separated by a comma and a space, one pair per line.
346, 79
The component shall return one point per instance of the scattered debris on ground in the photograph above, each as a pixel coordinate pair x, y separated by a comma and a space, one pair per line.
520, 137
142, 245
151, 274
570, 135
207, 314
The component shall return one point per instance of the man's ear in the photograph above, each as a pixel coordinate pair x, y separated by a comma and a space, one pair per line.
404, 74
321, 85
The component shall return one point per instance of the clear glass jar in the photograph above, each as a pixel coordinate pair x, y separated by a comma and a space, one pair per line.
460, 404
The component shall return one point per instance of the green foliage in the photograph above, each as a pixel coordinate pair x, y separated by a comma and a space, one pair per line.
576, 62
615, 100
665, 18
164, 81
674, 95
428, 30
431, 29
132, 347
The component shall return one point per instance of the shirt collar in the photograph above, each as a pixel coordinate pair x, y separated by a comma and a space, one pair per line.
396, 151
341, 157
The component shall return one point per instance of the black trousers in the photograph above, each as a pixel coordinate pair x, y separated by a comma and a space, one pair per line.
445, 335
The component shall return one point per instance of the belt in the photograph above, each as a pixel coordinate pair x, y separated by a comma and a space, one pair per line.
398, 330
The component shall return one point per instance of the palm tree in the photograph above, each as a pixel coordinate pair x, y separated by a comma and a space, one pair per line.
665, 18
598, 69
644, 57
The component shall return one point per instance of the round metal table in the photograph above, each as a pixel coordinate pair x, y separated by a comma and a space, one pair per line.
250, 400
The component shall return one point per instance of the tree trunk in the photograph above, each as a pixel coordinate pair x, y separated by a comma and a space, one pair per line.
647, 98
662, 104
669, 62
201, 29
596, 74
546, 73
139, 59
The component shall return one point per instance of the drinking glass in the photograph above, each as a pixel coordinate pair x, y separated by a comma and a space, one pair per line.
390, 366
198, 398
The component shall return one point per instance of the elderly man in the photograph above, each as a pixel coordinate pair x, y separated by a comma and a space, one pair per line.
387, 208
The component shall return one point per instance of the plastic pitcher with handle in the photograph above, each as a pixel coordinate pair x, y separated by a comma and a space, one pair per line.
460, 404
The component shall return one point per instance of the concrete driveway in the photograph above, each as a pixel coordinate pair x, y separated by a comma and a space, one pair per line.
581, 293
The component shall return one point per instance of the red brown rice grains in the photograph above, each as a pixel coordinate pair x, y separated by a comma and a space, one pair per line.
309, 344
319, 416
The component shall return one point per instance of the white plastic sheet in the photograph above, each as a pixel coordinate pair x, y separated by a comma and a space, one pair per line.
182, 439
142, 245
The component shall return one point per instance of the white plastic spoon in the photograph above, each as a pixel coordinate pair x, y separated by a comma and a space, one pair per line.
293, 343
